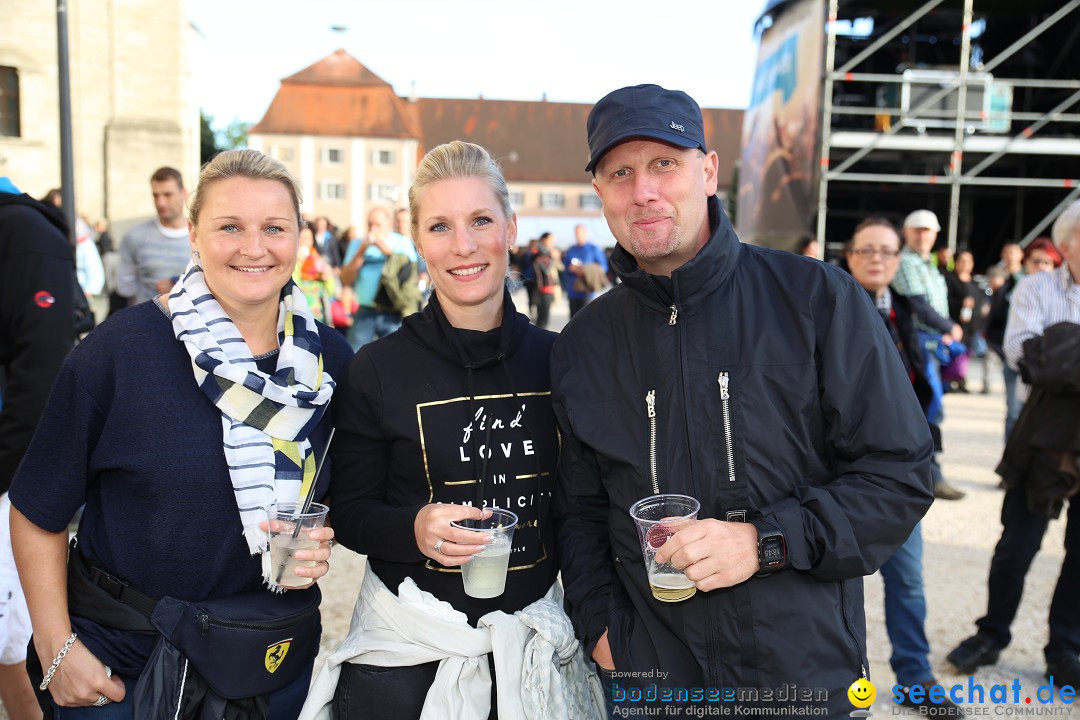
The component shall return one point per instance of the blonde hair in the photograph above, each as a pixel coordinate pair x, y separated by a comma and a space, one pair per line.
246, 164
457, 159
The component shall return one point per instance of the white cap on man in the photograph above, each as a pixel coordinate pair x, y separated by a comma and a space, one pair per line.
922, 219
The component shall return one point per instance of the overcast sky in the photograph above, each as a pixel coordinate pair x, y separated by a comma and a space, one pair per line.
572, 50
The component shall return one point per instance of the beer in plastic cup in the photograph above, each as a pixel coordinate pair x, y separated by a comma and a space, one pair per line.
658, 517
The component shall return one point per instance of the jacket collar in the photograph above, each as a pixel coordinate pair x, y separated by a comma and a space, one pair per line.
694, 281
433, 330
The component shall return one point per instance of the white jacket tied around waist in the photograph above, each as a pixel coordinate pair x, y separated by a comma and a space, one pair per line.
539, 665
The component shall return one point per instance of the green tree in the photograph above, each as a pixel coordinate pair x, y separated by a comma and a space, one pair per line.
234, 136
211, 142
208, 146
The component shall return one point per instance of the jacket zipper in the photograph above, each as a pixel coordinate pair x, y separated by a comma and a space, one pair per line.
725, 411
847, 627
650, 406
674, 315
724, 380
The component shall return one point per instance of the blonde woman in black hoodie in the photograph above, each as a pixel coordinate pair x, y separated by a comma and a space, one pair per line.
442, 418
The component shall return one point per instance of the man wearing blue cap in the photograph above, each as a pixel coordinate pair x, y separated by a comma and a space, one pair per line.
759, 382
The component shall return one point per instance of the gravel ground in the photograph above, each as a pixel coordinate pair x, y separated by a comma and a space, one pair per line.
959, 539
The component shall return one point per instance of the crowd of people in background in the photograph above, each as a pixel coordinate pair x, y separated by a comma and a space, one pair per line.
339, 269
340, 293
964, 326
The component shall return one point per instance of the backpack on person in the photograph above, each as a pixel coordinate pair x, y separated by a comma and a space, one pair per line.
399, 288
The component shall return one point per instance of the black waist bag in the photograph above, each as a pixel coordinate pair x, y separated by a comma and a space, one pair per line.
243, 645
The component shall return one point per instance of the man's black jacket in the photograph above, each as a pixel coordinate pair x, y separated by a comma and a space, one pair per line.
788, 358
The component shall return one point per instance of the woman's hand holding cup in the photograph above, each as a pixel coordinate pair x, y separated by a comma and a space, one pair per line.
443, 543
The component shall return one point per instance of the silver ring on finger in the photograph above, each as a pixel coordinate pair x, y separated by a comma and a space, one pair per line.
439, 544
102, 701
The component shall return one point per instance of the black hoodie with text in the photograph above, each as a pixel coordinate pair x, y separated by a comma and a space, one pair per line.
420, 416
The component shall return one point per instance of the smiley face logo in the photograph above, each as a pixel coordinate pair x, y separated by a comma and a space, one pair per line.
862, 693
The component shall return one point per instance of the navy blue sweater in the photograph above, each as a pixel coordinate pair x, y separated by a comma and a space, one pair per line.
128, 432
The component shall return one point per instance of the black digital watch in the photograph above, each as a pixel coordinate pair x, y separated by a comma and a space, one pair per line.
772, 548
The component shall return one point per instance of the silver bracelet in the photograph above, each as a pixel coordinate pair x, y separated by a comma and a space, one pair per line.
56, 662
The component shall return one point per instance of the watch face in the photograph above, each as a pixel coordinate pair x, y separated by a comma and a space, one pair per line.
772, 553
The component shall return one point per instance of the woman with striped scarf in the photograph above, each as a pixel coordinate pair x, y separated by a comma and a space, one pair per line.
181, 424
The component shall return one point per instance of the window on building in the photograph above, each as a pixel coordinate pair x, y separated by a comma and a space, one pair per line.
590, 201
382, 157
331, 190
382, 191
333, 156
284, 154
9, 102
517, 198
552, 200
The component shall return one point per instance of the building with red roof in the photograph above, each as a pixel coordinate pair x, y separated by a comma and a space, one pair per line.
354, 144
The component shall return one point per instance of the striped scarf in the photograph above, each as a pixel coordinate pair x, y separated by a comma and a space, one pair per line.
266, 419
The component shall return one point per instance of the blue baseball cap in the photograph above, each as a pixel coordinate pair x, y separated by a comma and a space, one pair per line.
644, 111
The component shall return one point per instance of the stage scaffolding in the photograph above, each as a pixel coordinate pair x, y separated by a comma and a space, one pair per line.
938, 112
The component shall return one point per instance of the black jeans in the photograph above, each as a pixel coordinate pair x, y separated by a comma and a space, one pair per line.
372, 692
543, 308
1021, 537
577, 303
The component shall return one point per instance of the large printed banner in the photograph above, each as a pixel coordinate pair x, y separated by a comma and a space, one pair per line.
777, 179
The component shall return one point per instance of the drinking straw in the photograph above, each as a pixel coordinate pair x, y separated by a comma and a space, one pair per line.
304, 506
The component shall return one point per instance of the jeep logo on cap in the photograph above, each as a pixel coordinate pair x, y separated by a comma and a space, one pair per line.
675, 126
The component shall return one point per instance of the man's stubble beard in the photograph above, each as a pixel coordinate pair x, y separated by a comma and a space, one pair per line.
646, 249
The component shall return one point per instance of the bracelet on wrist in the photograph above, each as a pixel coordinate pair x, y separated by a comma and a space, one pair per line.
56, 662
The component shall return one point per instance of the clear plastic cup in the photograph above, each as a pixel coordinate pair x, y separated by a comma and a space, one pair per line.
658, 517
286, 541
484, 575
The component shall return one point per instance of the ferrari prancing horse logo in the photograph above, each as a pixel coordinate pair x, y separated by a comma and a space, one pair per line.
275, 654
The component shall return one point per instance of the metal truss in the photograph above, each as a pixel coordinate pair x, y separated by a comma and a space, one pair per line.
955, 176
